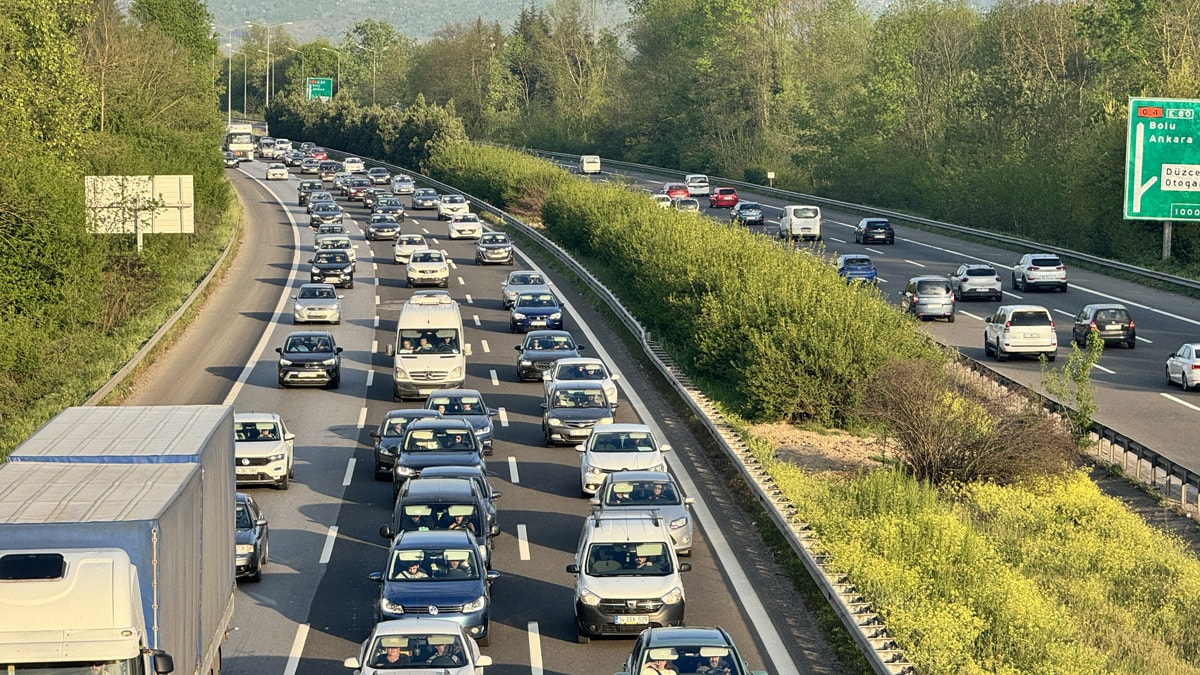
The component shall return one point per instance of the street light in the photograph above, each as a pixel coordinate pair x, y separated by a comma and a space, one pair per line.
374, 58
339, 68
270, 64
228, 76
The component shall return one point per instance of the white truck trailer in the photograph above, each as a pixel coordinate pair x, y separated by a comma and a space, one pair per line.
117, 543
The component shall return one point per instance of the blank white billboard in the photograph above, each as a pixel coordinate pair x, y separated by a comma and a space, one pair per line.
140, 204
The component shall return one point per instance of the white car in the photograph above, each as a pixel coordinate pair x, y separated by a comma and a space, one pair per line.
419, 646
428, 267
1020, 329
521, 281
403, 184
354, 165
582, 370
406, 245
662, 200
1183, 366
697, 184
277, 172
263, 450
465, 226
317, 302
618, 447
336, 241
452, 205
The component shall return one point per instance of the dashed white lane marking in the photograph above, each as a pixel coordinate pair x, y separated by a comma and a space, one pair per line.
503, 414
370, 378
1170, 397
349, 472
327, 550
470, 300
513, 476
522, 541
535, 649
297, 650
476, 318
362, 417
914, 262
484, 344
374, 346
495, 378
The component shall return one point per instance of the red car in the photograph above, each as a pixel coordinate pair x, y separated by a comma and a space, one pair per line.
318, 153
723, 198
675, 190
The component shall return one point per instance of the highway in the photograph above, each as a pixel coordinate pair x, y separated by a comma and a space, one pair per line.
315, 603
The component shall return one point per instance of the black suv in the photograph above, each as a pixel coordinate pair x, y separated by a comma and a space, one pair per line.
332, 266
877, 230
310, 357
307, 187
541, 349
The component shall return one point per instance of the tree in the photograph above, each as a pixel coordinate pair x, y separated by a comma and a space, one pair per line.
188, 22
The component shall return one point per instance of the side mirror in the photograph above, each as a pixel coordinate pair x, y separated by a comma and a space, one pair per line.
484, 661
289, 436
614, 405
496, 494
492, 575
594, 501
518, 348
352, 662
467, 349
295, 297
573, 568
279, 350
492, 412
377, 577
685, 567
689, 501
580, 348
310, 261
261, 522
338, 350
664, 448
375, 433
614, 377
390, 350
546, 376
580, 448
385, 531
544, 406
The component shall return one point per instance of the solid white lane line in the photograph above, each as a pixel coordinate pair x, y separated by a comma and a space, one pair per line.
486, 348
1142, 339
1064, 313
476, 318
362, 417
327, 550
503, 413
349, 473
1179, 401
535, 649
297, 649
513, 476
370, 378
522, 541
977, 318
495, 378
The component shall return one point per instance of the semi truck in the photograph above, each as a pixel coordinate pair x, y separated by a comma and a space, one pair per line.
239, 139
117, 543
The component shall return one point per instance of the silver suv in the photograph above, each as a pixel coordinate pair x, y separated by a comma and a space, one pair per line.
1039, 270
1020, 329
928, 297
976, 280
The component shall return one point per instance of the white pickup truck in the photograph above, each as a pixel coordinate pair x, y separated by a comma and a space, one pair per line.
800, 222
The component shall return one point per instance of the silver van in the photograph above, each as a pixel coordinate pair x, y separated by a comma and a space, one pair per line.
928, 297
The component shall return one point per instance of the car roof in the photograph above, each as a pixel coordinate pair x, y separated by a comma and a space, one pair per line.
310, 333
438, 489
577, 384
1022, 308
417, 413
416, 626
452, 471
581, 361
549, 333
256, 417
640, 476
455, 393
622, 427
317, 285
433, 539
441, 423
688, 636
930, 277
1105, 305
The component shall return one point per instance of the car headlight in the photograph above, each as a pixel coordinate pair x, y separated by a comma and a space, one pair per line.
661, 466
588, 468
457, 371
555, 422
277, 457
505, 249
475, 605
390, 607
678, 523
348, 268
525, 363
298, 309
284, 362
483, 433
673, 596
556, 315
316, 270
518, 315
589, 598
605, 420
245, 549
329, 362
406, 470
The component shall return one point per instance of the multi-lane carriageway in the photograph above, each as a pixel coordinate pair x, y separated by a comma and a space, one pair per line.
315, 603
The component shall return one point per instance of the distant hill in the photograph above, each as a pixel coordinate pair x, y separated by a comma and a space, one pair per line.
418, 19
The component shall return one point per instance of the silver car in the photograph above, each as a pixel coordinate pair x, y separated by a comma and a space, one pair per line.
317, 302
1183, 366
649, 491
976, 280
521, 281
1039, 270
928, 297
406, 245
403, 185
582, 370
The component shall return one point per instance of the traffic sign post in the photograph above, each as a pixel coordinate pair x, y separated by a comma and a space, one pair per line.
1162, 160
319, 88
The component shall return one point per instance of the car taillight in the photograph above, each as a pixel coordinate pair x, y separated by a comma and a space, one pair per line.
1060, 268
916, 297
1007, 325
1196, 366
1033, 269
952, 296
1092, 325
1051, 324
965, 280
1131, 324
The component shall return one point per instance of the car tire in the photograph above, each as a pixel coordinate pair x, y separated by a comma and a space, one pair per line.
283, 483
987, 347
950, 319
257, 576
282, 384
445, 283
581, 637
381, 472
266, 553
1131, 343
1050, 356
1169, 380
335, 381
292, 471
1001, 355
350, 284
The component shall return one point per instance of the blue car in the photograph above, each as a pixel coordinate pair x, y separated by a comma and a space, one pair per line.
440, 572
857, 267
536, 310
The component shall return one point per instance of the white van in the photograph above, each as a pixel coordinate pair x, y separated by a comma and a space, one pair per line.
800, 222
266, 147
431, 350
282, 147
589, 164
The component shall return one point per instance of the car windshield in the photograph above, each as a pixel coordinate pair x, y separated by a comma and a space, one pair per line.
695, 659
394, 427
588, 371
411, 240
749, 206
465, 404
415, 651
252, 432
242, 519
444, 341
308, 344
439, 440
452, 199
877, 224
578, 398
423, 517
433, 564
933, 287
527, 280
427, 256
334, 257
642, 493
494, 239
624, 560
310, 293
426, 192
549, 343
622, 441
536, 300
467, 218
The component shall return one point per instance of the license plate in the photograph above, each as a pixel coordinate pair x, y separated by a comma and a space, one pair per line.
1114, 326
1030, 335
248, 471
309, 375
425, 392
630, 620
537, 323
580, 432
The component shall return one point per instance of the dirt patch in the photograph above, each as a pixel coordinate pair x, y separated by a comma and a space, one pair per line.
828, 452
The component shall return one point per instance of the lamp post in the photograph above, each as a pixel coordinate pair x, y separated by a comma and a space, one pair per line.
303, 70
339, 68
374, 59
270, 64
228, 77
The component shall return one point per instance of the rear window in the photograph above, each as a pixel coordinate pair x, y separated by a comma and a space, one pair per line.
981, 272
1045, 262
932, 287
1030, 318
1112, 315
806, 213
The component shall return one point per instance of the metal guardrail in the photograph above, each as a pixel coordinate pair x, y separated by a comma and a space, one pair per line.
865, 626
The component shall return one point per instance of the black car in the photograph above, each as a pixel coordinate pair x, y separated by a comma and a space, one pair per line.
379, 175
382, 226
310, 357
325, 213
541, 349
878, 230
250, 537
1111, 323
747, 214
441, 504
390, 435
372, 196
307, 187
571, 409
494, 247
232, 161
436, 442
478, 478
332, 266
294, 158
425, 198
391, 206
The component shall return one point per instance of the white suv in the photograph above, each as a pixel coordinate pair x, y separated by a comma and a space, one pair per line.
262, 450
618, 447
627, 576
1036, 270
1020, 329
697, 184
976, 280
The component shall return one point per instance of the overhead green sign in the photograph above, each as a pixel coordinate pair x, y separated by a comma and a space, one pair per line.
320, 88
1162, 160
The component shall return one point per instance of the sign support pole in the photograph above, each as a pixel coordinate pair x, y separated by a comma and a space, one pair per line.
1166, 240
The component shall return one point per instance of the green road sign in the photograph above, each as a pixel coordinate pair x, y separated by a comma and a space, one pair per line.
320, 88
1162, 160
